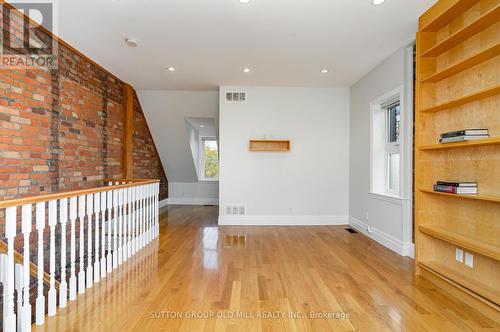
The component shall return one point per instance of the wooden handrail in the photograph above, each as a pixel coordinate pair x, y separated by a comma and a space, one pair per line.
67, 194
19, 259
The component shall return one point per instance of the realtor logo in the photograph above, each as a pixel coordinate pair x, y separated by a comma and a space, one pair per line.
25, 41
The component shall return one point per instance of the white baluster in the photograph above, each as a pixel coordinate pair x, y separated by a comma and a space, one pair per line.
141, 216
52, 257
19, 281
148, 212
103, 235
134, 219
40, 299
90, 212
72, 277
63, 219
157, 210
128, 231
26, 230
81, 217
121, 216
109, 205
97, 211
125, 222
9, 317
115, 229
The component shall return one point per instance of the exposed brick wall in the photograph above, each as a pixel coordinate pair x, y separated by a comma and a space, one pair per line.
63, 129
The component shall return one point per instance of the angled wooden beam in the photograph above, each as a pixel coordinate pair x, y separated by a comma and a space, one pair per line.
128, 131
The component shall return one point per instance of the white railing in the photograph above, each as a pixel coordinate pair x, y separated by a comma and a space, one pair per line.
114, 223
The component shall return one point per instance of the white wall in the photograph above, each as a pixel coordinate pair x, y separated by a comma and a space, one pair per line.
308, 185
382, 218
166, 112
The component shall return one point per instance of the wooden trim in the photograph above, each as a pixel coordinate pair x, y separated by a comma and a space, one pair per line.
256, 145
60, 41
19, 259
128, 131
49, 197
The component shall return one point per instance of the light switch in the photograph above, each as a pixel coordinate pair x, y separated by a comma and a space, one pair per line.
459, 255
469, 260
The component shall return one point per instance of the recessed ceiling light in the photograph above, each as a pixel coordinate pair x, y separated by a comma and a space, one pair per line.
246, 70
377, 2
244, 1
202, 126
324, 71
131, 42
171, 69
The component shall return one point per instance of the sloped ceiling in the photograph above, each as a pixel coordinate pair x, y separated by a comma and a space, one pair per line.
166, 112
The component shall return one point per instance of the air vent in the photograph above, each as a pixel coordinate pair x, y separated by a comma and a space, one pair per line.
236, 97
235, 210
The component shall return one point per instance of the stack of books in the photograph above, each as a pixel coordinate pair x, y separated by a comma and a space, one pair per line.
464, 135
459, 188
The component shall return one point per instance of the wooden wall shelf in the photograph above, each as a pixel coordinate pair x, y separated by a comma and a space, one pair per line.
464, 34
269, 145
470, 62
477, 142
466, 99
476, 197
482, 22
463, 241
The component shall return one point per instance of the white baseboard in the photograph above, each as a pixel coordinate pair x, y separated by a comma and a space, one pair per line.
193, 201
282, 220
388, 241
163, 203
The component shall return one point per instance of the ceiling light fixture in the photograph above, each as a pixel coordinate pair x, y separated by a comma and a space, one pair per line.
377, 2
202, 126
246, 70
244, 1
131, 42
171, 69
324, 71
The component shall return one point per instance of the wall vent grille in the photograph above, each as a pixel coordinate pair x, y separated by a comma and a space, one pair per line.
236, 97
235, 210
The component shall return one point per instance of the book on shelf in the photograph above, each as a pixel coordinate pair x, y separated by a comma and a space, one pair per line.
455, 190
457, 184
462, 138
466, 132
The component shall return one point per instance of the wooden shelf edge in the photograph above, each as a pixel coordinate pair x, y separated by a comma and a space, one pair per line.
470, 62
478, 95
478, 142
437, 271
474, 197
255, 145
484, 21
447, 13
476, 246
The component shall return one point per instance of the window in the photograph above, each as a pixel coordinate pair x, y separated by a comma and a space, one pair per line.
209, 161
385, 144
393, 128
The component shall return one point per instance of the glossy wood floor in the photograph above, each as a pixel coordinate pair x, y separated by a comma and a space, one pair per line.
264, 279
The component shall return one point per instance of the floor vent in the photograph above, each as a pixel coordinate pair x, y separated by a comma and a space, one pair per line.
235, 210
236, 241
351, 230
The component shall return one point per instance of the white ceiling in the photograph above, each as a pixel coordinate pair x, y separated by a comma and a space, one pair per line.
285, 43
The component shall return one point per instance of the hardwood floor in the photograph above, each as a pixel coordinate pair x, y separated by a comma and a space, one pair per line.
199, 277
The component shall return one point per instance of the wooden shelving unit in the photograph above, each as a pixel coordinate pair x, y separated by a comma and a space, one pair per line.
269, 145
458, 87
465, 99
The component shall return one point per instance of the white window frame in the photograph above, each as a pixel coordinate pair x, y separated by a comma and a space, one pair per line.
381, 148
201, 157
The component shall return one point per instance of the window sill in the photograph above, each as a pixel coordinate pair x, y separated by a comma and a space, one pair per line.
208, 181
387, 197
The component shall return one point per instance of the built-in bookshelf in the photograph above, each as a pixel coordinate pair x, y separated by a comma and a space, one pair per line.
269, 145
458, 87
